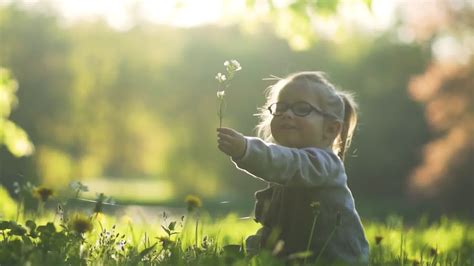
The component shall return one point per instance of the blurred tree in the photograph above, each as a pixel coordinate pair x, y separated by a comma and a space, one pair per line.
300, 22
446, 89
34, 48
12, 136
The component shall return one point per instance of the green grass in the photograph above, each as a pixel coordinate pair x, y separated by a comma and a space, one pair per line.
172, 240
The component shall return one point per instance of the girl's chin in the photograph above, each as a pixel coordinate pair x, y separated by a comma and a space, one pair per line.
289, 143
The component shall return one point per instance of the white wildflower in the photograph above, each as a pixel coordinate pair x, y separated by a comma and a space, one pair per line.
221, 77
232, 66
236, 65
220, 94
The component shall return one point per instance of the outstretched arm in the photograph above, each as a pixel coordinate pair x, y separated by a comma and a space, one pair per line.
279, 164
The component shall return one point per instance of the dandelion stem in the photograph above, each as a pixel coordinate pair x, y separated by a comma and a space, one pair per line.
196, 232
40, 209
98, 221
310, 240
18, 208
325, 244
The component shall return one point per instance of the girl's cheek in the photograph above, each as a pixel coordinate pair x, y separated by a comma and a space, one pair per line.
272, 124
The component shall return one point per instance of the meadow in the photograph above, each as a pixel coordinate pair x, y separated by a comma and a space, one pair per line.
68, 236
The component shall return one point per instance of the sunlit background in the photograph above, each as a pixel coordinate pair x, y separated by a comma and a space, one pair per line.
121, 95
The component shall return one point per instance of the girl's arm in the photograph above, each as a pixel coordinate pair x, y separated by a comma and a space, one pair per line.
282, 165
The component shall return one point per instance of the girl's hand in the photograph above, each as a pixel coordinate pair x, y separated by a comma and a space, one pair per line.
231, 142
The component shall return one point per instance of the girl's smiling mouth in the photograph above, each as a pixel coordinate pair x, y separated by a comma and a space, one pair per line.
287, 127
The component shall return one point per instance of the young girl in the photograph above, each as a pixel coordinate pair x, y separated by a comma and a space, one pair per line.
305, 130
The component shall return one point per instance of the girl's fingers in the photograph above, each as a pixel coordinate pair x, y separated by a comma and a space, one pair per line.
224, 148
225, 137
228, 140
224, 142
227, 131
231, 139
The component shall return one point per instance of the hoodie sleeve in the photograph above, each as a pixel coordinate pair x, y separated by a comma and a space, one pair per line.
291, 166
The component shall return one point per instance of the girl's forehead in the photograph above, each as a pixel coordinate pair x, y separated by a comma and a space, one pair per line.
299, 91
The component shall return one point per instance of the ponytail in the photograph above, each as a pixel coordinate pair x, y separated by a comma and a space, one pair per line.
350, 121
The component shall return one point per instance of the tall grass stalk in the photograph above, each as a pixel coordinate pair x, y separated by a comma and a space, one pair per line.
130, 227
421, 253
402, 257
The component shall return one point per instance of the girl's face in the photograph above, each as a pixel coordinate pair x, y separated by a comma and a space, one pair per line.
295, 131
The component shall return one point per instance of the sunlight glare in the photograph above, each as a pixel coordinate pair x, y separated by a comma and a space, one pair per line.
121, 14
124, 14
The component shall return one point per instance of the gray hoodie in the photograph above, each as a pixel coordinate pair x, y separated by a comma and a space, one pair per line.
296, 178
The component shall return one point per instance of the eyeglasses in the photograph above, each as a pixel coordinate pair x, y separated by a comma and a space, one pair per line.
298, 108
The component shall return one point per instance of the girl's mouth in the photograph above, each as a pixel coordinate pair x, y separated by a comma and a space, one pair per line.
287, 127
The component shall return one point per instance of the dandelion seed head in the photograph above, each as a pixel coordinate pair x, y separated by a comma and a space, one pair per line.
76, 185
315, 207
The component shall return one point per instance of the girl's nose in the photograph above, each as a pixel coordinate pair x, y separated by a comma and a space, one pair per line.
288, 113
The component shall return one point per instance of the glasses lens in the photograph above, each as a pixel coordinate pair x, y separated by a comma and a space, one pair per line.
301, 108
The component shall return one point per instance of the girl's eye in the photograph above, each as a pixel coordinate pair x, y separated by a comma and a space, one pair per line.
302, 108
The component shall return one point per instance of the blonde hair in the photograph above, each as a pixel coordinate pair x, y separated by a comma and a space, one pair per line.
340, 105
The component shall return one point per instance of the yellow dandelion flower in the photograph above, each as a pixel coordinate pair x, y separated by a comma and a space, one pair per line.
193, 202
378, 240
433, 252
81, 224
43, 193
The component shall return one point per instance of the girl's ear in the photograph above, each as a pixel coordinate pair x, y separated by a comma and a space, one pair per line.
332, 129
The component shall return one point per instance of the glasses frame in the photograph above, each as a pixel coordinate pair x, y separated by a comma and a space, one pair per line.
291, 107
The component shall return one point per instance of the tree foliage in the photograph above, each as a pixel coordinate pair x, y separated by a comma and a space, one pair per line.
447, 92
11, 135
